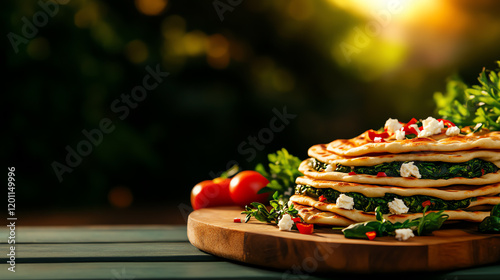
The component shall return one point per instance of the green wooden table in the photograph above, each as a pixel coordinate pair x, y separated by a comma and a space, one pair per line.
148, 252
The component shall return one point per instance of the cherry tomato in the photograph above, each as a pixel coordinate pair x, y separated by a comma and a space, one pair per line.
244, 187
210, 193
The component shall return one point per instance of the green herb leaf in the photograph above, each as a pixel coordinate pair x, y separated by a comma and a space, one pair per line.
491, 224
424, 225
283, 170
279, 208
467, 106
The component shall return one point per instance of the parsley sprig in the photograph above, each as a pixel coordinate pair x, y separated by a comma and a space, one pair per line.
283, 170
279, 208
468, 106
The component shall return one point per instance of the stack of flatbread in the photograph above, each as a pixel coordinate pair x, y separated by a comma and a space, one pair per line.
345, 180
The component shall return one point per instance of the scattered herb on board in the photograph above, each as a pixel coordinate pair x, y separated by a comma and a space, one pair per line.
423, 225
468, 106
283, 170
279, 208
491, 224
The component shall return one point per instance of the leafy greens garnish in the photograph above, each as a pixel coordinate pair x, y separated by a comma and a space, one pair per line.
279, 208
283, 170
468, 106
423, 225
491, 224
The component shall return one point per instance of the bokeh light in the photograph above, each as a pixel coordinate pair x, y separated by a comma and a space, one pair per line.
136, 51
120, 197
151, 7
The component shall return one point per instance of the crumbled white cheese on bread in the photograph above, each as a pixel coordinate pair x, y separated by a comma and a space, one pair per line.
403, 234
452, 131
409, 169
430, 126
392, 125
397, 206
329, 168
345, 202
400, 134
286, 222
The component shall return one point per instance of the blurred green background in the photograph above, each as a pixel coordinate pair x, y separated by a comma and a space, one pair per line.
339, 67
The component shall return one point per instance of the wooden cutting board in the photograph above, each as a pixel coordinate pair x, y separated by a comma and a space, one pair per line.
455, 245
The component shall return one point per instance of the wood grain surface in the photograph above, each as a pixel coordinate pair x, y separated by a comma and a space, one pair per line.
455, 246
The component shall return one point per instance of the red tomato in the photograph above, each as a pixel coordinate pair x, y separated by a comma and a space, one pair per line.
244, 187
210, 193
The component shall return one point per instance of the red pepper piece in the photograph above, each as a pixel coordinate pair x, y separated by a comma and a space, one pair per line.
237, 220
372, 134
351, 173
482, 171
305, 228
426, 203
322, 198
381, 174
371, 235
446, 122
296, 220
410, 130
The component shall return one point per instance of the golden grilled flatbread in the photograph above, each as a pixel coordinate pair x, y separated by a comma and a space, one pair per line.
321, 153
312, 215
362, 144
455, 192
408, 182
360, 216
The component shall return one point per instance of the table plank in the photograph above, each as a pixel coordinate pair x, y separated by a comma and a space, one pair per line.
105, 234
135, 270
107, 252
205, 270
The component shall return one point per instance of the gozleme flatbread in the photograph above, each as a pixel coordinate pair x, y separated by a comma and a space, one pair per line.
312, 215
408, 182
360, 216
321, 153
455, 192
362, 144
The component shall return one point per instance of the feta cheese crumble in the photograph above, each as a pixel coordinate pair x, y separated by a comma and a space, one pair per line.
345, 202
403, 234
400, 134
430, 127
286, 222
329, 168
452, 131
409, 169
392, 125
397, 206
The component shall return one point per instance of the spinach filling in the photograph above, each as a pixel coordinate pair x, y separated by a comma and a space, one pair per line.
368, 204
428, 169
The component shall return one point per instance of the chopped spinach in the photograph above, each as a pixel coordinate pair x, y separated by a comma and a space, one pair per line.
368, 204
428, 169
